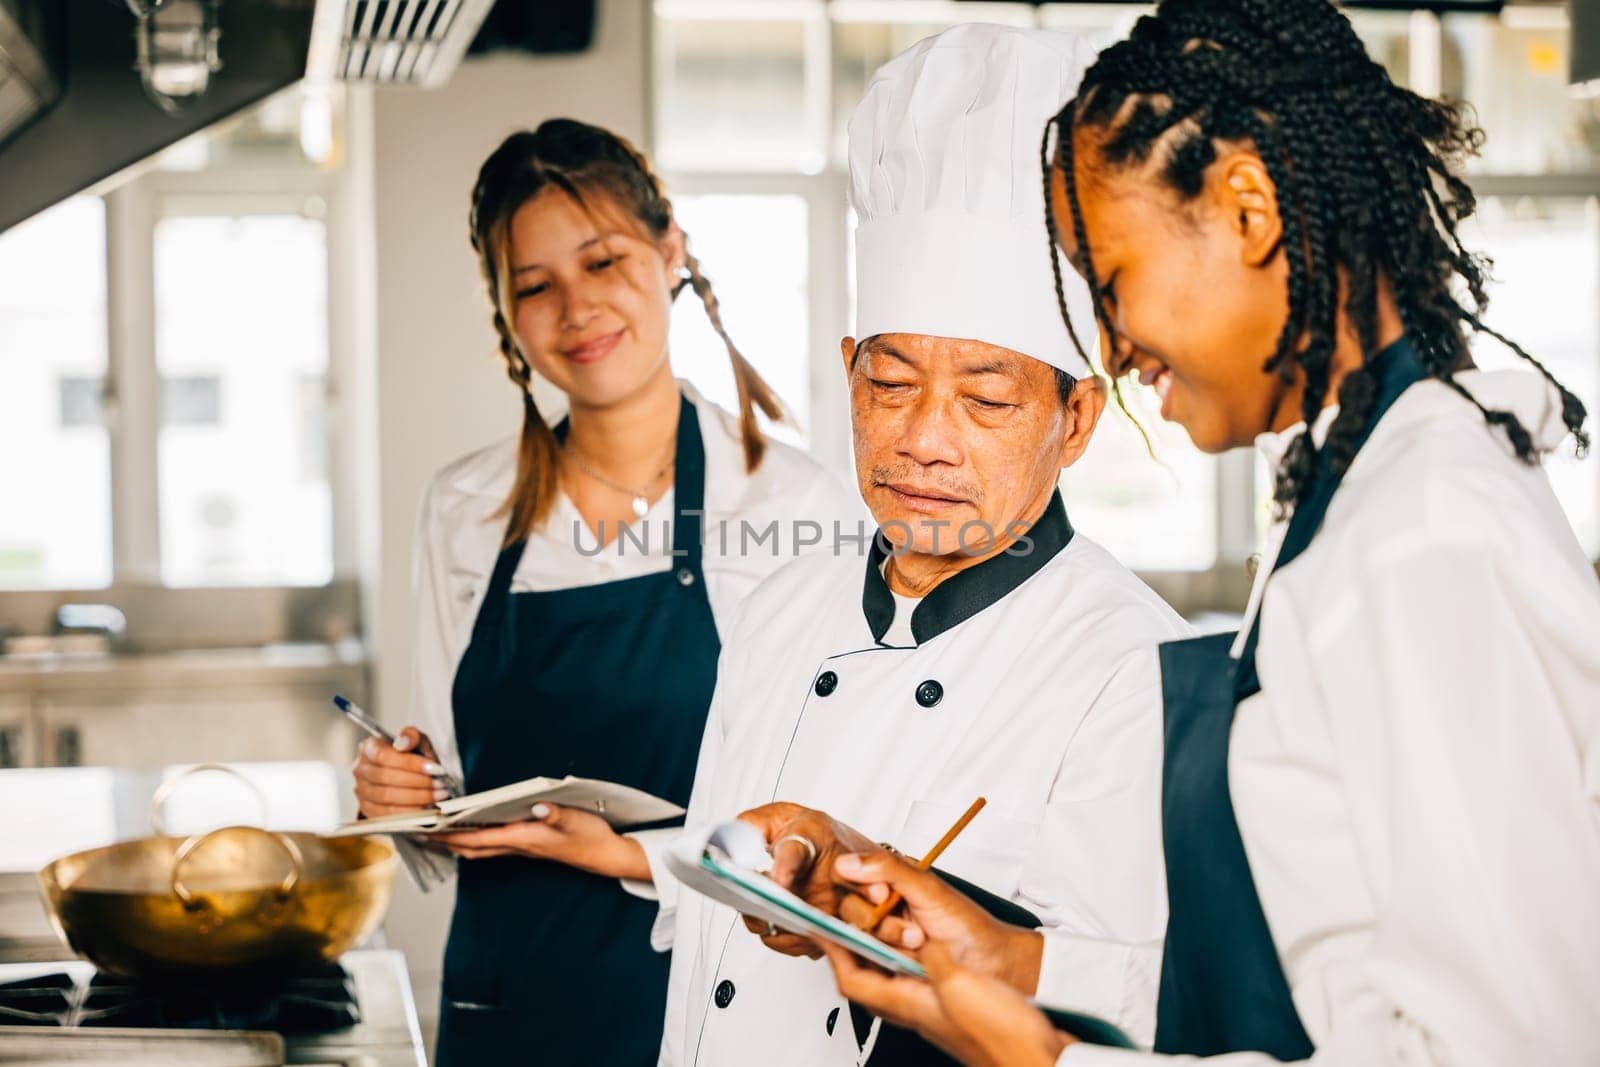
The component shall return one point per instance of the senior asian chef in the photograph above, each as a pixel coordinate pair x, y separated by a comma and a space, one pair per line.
982, 646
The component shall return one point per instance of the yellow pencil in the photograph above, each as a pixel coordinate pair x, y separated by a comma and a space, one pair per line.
925, 862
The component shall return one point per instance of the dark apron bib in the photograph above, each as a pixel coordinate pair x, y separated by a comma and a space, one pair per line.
1222, 984
546, 964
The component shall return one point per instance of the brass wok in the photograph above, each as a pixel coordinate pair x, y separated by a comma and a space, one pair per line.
233, 901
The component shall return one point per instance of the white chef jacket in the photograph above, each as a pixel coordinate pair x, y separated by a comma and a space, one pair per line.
459, 539
1416, 784
1048, 705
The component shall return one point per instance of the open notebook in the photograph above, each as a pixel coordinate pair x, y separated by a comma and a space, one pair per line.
620, 805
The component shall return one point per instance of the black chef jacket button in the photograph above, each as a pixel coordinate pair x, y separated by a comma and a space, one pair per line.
833, 1018
685, 576
724, 993
929, 693
827, 682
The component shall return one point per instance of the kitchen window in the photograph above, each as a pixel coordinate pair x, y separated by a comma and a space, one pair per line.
55, 523
168, 362
732, 145
751, 101
1546, 253
242, 355
762, 291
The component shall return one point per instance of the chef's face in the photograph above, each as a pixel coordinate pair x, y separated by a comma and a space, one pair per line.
590, 296
952, 432
1196, 290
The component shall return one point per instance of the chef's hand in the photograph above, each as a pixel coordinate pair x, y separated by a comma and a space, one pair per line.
401, 777
571, 836
981, 1021
932, 910
808, 876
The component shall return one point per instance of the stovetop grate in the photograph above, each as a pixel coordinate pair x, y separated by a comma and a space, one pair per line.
302, 1004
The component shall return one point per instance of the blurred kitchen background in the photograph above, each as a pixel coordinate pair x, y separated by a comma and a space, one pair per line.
241, 325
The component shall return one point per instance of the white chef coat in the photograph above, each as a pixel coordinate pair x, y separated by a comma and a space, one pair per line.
1416, 784
459, 539
1048, 705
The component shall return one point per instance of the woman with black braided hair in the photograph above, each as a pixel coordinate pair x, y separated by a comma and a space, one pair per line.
537, 651
1381, 798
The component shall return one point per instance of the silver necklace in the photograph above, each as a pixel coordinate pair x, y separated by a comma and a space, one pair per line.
640, 497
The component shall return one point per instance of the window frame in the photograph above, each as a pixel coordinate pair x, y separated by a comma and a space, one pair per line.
828, 431
1225, 585
826, 195
159, 616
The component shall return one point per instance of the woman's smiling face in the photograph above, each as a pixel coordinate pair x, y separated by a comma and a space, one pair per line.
590, 296
1195, 293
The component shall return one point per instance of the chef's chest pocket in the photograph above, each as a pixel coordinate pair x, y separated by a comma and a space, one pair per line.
991, 852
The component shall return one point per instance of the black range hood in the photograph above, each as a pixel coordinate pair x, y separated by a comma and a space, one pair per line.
104, 122
30, 62
1585, 60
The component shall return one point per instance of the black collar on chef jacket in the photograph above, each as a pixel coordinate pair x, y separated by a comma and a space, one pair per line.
965, 593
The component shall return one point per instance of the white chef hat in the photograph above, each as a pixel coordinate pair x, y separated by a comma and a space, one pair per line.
945, 180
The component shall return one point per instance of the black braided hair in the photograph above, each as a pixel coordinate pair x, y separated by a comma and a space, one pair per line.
1055, 271
1366, 179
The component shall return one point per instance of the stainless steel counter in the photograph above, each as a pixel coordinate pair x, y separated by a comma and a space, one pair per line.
26, 935
387, 1036
24, 1046
268, 702
269, 664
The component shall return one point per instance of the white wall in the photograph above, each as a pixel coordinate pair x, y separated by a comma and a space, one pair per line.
433, 372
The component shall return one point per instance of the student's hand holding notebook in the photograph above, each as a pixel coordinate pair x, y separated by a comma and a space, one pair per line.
620, 805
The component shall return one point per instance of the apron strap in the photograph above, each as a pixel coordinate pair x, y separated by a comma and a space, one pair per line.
1397, 368
689, 491
494, 596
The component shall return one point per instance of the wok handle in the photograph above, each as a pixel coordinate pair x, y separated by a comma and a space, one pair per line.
192, 845
170, 786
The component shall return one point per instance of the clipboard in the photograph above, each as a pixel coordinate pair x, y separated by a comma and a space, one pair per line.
728, 863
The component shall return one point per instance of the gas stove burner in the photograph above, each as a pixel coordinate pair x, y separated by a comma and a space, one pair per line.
301, 1004
43, 1001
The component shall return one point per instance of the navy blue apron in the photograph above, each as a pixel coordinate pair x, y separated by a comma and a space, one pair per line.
546, 964
1222, 984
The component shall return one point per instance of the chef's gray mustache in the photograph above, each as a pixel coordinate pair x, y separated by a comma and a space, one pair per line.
913, 475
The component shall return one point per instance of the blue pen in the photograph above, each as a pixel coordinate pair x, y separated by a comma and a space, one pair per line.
353, 712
